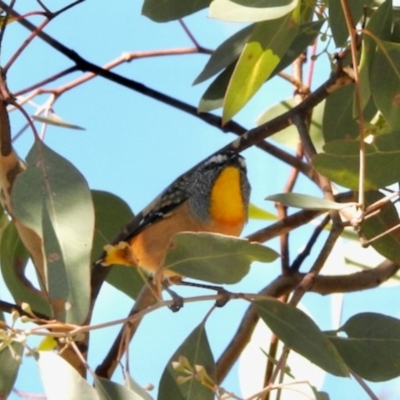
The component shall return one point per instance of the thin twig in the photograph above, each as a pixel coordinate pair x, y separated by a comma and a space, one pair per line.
66, 8
190, 35
25, 44
310, 244
354, 58
363, 384
47, 80
309, 279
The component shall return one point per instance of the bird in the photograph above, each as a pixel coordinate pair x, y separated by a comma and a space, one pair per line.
211, 197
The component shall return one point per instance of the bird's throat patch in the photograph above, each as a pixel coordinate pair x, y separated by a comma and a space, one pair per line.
226, 197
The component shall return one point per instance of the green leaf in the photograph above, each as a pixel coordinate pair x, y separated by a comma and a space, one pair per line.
10, 360
55, 120
380, 26
386, 90
338, 122
268, 43
213, 97
215, 258
196, 351
4, 221
60, 380
111, 214
301, 334
372, 348
388, 245
108, 390
225, 54
52, 198
320, 395
169, 10
289, 136
337, 20
340, 162
131, 384
259, 213
227, 10
307, 202
57, 276
306, 35
13, 259
263, 3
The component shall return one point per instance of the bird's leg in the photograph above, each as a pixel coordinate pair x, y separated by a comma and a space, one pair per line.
177, 300
223, 293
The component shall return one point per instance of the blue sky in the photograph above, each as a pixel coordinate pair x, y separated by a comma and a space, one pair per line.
134, 147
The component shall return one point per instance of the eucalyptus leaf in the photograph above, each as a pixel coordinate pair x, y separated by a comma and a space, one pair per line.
213, 97
340, 162
307, 202
61, 381
372, 346
385, 89
338, 122
13, 260
196, 352
259, 213
388, 245
337, 19
215, 258
55, 120
301, 334
379, 25
169, 10
267, 45
109, 390
111, 214
52, 198
227, 10
290, 136
131, 384
225, 54
10, 361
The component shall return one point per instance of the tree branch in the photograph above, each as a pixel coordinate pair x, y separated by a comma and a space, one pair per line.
251, 138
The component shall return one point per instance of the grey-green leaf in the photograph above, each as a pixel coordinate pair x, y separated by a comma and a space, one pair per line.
55, 120
301, 334
340, 162
307, 202
111, 214
13, 259
108, 390
169, 10
53, 184
385, 89
131, 384
337, 20
225, 54
215, 258
372, 348
60, 380
388, 245
10, 360
196, 351
380, 25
